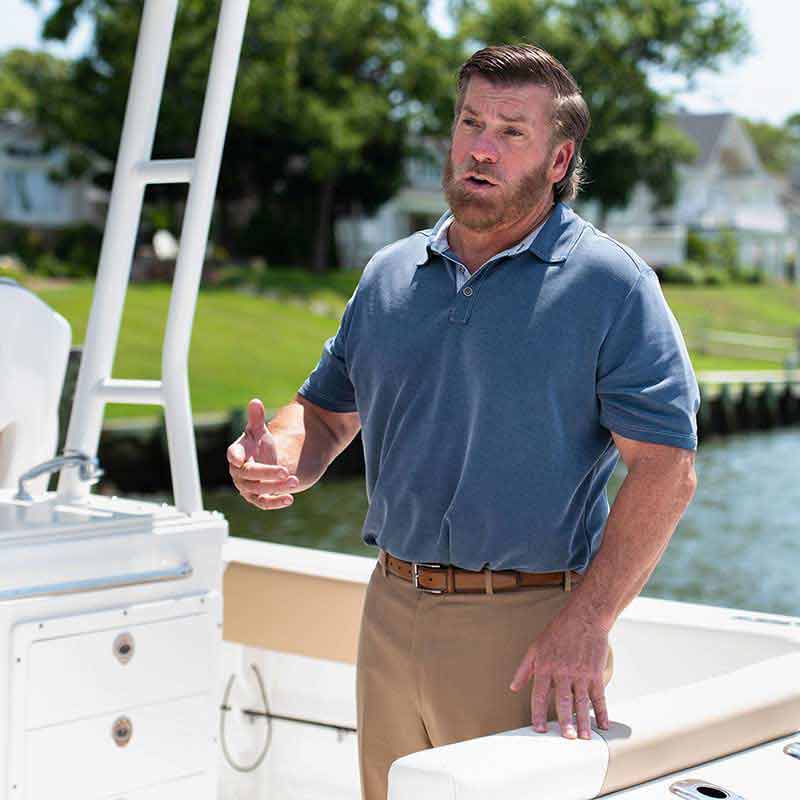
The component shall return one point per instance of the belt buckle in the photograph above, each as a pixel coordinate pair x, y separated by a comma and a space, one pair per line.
415, 576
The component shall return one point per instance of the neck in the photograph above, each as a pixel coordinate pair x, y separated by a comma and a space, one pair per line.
476, 247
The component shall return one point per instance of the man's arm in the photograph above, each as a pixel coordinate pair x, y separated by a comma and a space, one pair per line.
308, 438
571, 651
660, 484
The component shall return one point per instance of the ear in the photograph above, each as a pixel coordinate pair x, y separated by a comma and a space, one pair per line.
560, 159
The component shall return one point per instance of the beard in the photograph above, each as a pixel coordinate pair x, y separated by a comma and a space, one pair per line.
504, 203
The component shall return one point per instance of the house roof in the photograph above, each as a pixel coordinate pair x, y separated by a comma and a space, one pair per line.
704, 129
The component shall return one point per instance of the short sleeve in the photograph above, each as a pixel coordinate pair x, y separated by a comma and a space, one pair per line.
646, 385
329, 384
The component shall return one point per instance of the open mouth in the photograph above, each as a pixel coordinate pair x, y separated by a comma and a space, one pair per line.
478, 183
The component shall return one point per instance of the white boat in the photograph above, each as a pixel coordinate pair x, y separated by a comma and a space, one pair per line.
124, 675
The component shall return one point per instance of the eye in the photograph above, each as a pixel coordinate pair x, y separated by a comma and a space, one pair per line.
469, 121
514, 131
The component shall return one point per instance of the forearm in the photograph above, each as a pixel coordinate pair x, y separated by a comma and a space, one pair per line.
305, 445
648, 506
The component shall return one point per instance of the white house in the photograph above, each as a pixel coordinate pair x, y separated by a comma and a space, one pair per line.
27, 194
726, 187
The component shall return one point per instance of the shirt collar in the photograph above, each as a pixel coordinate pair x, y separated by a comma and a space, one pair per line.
551, 242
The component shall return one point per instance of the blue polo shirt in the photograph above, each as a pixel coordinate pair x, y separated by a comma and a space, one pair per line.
487, 413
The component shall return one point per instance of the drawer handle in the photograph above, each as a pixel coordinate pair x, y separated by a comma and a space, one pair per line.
123, 648
121, 731
182, 571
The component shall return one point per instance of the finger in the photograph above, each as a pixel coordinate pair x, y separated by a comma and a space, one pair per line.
271, 501
524, 670
564, 706
256, 471
582, 709
540, 696
236, 455
598, 698
255, 418
265, 487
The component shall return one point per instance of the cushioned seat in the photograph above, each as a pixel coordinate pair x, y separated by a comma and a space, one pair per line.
34, 350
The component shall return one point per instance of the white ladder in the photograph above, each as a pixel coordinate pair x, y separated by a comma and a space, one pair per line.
134, 170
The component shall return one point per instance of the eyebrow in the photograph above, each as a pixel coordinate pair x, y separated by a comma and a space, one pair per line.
516, 118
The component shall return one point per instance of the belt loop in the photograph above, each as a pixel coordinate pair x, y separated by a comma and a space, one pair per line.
487, 579
567, 581
382, 559
451, 580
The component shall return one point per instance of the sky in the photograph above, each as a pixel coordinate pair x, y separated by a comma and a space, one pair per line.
763, 86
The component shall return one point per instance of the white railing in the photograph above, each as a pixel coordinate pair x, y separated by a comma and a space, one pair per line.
134, 170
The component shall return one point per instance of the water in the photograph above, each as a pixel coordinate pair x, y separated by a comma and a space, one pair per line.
737, 545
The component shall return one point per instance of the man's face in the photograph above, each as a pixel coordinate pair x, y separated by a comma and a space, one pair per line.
502, 133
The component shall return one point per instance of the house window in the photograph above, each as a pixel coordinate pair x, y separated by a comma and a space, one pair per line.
18, 192
29, 193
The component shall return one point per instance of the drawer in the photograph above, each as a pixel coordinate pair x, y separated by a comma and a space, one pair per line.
82, 675
82, 759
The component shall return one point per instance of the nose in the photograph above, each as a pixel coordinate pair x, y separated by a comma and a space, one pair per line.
483, 149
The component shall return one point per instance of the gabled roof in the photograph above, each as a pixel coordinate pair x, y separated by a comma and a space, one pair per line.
704, 129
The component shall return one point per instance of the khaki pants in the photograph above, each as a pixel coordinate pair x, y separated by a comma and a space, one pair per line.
436, 669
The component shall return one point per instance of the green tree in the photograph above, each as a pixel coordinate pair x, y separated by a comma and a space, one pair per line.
777, 145
327, 96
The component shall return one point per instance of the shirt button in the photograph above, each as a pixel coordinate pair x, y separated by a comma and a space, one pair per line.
467, 291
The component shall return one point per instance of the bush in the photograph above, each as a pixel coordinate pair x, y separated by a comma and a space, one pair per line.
697, 248
740, 274
689, 273
49, 266
79, 245
716, 276
76, 245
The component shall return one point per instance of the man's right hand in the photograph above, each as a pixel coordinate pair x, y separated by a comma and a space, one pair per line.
253, 464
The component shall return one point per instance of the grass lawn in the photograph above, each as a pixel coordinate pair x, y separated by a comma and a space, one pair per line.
246, 345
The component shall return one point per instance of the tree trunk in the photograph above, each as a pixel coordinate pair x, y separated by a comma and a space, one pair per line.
319, 261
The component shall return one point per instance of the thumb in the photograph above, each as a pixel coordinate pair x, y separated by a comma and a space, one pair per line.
524, 670
255, 418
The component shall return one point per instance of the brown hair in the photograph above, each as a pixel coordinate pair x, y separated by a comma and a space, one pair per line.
515, 64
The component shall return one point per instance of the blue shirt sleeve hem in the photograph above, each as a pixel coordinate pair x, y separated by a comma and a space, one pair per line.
686, 441
324, 402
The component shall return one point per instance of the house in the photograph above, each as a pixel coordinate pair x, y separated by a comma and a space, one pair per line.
416, 206
28, 196
726, 187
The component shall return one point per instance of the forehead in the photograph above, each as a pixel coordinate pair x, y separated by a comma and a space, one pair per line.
527, 100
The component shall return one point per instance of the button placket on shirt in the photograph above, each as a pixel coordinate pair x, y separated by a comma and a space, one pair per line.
465, 299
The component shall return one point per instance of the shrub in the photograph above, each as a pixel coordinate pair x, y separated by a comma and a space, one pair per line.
689, 273
716, 276
76, 245
741, 274
697, 248
50, 266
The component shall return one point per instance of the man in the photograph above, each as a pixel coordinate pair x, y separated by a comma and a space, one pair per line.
498, 366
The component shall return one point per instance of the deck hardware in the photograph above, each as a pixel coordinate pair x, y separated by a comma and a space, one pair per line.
793, 749
88, 470
124, 648
225, 708
695, 789
121, 731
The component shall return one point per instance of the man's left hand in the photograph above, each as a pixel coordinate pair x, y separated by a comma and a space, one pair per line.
570, 653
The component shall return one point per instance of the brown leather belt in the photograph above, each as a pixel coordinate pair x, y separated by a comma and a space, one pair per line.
443, 578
